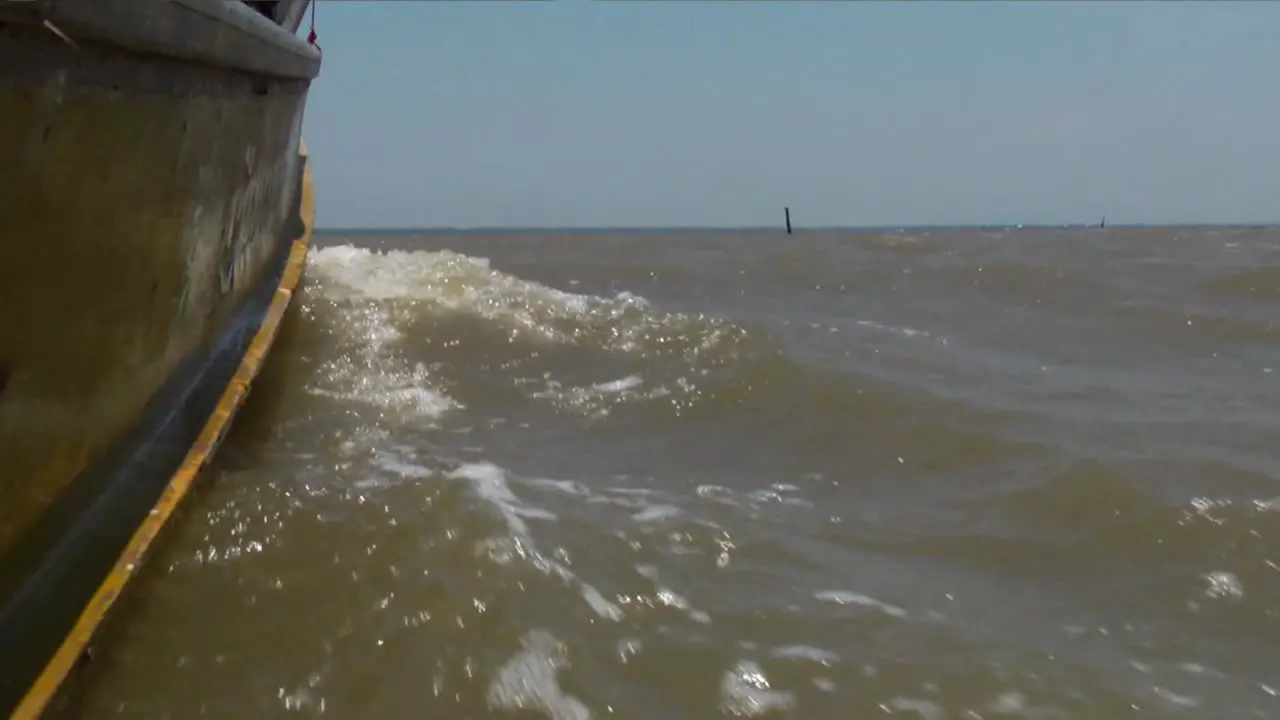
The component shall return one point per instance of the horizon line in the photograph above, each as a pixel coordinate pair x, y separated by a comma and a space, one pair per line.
773, 228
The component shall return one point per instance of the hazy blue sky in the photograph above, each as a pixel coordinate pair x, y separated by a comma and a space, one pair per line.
570, 113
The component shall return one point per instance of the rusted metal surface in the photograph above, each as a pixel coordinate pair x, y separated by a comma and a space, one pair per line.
242, 349
150, 172
134, 220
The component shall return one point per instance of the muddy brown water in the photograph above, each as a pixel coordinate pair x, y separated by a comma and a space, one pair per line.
1003, 473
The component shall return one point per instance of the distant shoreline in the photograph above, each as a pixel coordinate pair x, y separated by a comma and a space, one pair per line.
867, 229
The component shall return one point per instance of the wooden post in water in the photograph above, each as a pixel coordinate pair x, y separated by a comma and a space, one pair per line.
787, 210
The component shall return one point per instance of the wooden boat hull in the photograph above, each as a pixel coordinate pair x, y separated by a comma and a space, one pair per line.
157, 206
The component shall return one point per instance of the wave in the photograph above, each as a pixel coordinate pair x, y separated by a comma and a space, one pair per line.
448, 283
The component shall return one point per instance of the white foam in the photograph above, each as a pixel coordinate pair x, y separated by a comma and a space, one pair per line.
895, 329
399, 467
775, 494
1175, 699
568, 487
777, 497
597, 399
1010, 703
717, 493
362, 439
744, 690
1269, 505
629, 648
848, 597
368, 370
1223, 584
490, 482
447, 283
670, 598
804, 652
673, 599
528, 680
457, 283
619, 385
657, 513
925, 709
632, 498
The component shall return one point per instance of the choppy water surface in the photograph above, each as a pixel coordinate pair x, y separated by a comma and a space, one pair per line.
997, 474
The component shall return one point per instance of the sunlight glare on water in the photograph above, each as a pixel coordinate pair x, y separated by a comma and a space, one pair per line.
921, 474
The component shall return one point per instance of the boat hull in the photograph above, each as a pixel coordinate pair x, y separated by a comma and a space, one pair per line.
156, 205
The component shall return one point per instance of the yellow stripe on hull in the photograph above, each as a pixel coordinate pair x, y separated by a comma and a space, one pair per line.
237, 391
157, 208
